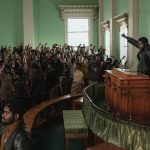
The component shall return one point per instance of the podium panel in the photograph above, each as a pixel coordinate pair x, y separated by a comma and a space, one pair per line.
127, 94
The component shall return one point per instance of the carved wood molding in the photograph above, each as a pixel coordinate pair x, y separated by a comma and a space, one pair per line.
105, 25
77, 10
121, 19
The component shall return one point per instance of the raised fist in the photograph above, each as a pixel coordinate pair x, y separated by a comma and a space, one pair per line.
123, 35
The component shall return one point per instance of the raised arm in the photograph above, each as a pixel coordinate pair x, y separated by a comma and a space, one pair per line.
5, 62
131, 40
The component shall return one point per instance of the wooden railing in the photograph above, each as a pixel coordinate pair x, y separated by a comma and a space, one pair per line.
30, 117
109, 128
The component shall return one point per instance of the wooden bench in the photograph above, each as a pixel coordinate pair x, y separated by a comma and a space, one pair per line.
75, 126
32, 114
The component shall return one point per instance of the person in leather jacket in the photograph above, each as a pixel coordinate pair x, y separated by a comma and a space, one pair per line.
143, 55
13, 133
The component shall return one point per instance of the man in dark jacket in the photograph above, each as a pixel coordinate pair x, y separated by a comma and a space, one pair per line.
14, 135
143, 54
19, 85
51, 81
36, 89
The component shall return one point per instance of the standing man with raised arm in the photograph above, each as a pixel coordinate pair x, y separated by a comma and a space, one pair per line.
143, 54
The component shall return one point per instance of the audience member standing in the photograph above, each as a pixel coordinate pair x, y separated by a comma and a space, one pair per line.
6, 89
51, 82
78, 80
36, 85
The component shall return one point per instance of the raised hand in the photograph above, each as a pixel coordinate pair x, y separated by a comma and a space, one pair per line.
123, 35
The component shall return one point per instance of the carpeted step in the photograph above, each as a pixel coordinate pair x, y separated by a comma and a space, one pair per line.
104, 146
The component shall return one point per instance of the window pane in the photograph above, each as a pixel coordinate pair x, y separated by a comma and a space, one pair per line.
74, 39
123, 43
77, 25
78, 31
107, 42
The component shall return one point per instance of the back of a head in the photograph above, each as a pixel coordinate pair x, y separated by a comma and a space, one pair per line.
144, 40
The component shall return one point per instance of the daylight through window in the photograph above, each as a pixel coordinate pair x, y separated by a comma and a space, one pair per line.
78, 31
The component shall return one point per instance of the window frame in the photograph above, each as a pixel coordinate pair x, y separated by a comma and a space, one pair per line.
122, 52
122, 20
78, 11
89, 28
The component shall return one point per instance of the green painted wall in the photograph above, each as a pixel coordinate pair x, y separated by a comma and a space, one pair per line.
48, 27
106, 10
11, 25
121, 6
144, 18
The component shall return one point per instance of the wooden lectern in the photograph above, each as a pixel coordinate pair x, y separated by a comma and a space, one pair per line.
127, 94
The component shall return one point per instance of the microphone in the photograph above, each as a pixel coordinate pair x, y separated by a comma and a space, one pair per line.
121, 60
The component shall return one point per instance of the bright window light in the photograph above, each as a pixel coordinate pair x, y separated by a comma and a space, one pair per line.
107, 42
123, 43
78, 31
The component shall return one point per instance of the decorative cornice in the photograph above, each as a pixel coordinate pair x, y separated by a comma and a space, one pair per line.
120, 19
77, 10
105, 25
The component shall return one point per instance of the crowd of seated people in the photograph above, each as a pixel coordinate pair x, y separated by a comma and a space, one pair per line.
34, 75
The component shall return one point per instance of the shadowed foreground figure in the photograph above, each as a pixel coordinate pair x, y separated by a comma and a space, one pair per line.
13, 133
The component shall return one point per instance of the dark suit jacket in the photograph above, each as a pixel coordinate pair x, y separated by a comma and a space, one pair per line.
143, 57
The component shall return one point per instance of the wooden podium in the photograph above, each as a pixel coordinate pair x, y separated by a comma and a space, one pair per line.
127, 95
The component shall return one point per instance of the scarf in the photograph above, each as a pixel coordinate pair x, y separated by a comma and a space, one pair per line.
8, 131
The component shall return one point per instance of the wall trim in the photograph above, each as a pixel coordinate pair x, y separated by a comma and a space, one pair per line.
121, 19
86, 10
106, 25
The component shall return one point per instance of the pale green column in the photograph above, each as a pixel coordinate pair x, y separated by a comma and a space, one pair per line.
101, 33
28, 22
133, 31
113, 28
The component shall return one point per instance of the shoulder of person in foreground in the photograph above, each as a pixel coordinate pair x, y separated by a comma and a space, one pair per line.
23, 140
